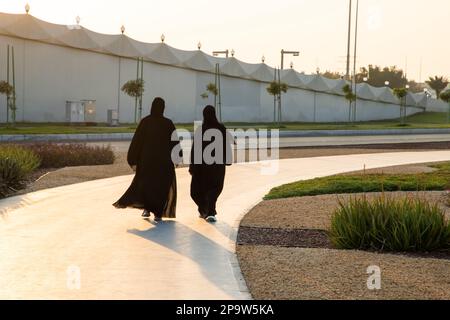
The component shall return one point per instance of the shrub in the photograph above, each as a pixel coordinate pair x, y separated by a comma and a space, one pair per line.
53, 155
15, 164
389, 224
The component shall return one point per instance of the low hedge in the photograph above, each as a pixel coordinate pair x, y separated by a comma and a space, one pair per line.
17, 162
53, 155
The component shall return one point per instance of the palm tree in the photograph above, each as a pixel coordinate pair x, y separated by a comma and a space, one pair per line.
401, 94
134, 89
8, 91
275, 89
438, 84
211, 88
350, 97
445, 96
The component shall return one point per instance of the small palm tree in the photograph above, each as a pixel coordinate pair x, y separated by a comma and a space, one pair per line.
401, 94
8, 90
350, 97
445, 96
211, 88
275, 89
134, 89
438, 84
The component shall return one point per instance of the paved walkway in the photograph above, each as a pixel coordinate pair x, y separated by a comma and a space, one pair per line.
48, 236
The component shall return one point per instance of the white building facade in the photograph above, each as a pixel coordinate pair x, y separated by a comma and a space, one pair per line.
57, 63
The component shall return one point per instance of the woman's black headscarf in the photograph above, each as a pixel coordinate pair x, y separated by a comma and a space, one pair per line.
210, 118
158, 107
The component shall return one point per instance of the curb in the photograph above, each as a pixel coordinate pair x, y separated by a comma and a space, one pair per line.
337, 133
282, 134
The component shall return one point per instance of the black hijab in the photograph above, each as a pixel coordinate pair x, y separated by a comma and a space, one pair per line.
210, 118
158, 107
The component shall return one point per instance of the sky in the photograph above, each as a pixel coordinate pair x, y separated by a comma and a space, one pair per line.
410, 34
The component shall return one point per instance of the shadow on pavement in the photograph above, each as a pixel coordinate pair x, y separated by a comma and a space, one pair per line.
210, 256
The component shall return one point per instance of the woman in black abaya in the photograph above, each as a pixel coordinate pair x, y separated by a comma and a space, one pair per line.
207, 179
154, 187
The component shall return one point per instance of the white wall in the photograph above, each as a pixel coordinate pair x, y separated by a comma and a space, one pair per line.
437, 106
48, 75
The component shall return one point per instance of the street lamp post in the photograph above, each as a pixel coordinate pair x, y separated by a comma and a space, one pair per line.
217, 53
347, 74
217, 82
283, 52
404, 104
354, 59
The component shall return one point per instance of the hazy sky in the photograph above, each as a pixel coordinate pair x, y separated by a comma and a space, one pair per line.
400, 32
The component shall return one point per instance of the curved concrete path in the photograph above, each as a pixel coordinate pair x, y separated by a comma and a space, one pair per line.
49, 237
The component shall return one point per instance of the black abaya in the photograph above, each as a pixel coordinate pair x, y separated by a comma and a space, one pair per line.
208, 179
154, 186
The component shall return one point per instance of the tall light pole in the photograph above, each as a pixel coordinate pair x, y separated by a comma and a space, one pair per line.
283, 52
354, 58
217, 53
217, 82
347, 74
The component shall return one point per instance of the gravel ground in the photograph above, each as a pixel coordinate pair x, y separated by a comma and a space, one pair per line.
274, 270
298, 273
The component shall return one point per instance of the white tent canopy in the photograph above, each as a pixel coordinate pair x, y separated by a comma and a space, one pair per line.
26, 26
338, 86
261, 72
364, 91
292, 78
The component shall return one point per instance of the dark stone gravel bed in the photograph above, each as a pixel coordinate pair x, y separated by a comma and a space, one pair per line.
302, 238
309, 238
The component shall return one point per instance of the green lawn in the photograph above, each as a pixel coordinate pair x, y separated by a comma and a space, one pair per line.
437, 180
422, 120
55, 128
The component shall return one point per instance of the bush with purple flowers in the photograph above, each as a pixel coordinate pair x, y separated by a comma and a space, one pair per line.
59, 155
